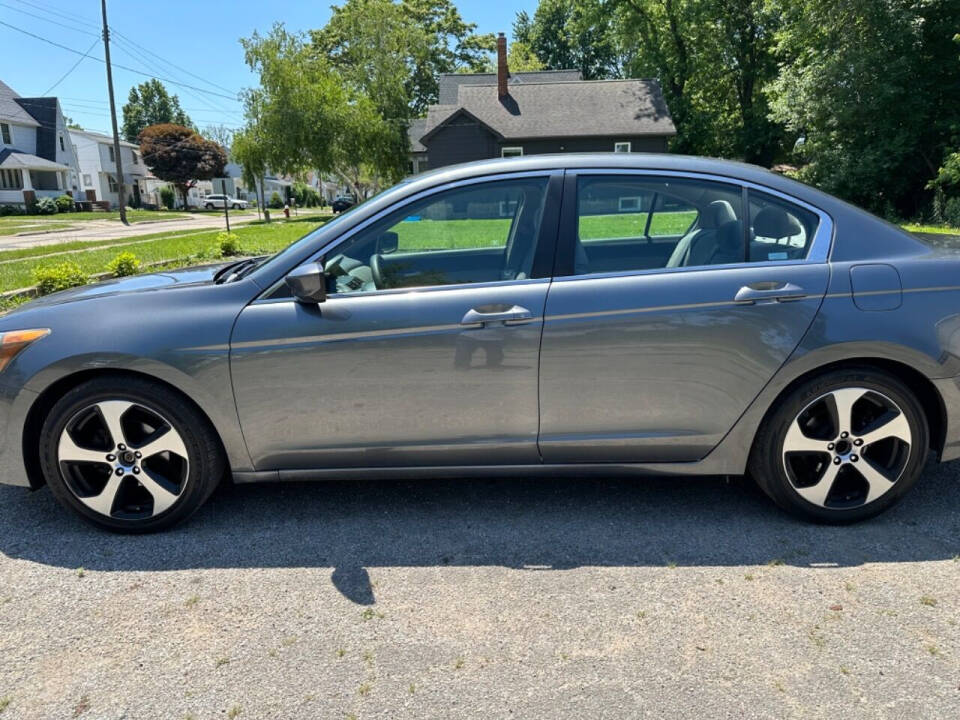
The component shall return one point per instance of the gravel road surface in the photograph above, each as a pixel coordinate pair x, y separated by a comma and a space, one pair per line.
485, 599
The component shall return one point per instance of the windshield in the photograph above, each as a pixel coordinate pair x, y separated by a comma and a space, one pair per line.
292, 249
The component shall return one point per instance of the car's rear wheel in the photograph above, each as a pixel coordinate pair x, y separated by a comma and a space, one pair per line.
842, 447
236, 207
129, 454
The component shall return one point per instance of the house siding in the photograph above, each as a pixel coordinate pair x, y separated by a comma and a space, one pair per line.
462, 141
638, 143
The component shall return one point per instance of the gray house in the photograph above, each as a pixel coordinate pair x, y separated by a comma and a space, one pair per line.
501, 114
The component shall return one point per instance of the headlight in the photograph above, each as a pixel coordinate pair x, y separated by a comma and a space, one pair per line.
12, 342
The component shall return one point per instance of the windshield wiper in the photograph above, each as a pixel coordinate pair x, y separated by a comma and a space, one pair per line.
238, 269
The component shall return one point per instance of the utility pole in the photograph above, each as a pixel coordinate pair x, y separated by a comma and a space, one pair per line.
113, 116
226, 211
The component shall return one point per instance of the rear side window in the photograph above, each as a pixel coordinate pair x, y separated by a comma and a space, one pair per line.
779, 230
639, 222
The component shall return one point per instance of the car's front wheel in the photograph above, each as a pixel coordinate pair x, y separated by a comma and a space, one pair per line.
842, 447
129, 454
209, 206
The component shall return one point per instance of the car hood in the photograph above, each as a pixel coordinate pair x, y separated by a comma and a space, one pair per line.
133, 284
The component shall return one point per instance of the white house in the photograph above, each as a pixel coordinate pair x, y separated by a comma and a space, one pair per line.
98, 167
36, 156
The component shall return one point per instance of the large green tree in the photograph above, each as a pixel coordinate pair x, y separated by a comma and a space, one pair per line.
873, 89
308, 115
571, 34
149, 103
713, 60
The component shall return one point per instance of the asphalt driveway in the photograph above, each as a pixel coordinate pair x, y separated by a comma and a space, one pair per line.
488, 599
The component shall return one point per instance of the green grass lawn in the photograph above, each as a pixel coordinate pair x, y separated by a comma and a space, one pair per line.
633, 225
185, 247
27, 225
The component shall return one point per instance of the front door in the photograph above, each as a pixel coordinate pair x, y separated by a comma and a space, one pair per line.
425, 351
670, 313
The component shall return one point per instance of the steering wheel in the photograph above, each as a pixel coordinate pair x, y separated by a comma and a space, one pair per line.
376, 271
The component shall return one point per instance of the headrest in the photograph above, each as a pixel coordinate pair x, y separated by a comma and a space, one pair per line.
718, 213
772, 222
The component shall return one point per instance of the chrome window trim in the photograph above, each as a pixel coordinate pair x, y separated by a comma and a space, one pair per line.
820, 248
364, 224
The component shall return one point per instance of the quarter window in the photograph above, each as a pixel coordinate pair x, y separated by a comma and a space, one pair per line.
478, 233
779, 230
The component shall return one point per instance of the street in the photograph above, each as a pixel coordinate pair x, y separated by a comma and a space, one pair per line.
485, 598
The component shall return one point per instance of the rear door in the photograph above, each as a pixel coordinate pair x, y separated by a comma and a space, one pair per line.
651, 356
425, 351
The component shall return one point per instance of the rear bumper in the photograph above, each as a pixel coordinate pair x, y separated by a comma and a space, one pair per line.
14, 405
949, 389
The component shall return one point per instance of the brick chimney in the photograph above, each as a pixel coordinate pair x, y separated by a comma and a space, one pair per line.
502, 71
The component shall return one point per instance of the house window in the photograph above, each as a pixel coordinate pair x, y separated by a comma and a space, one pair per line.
11, 179
621, 147
511, 152
5, 130
62, 146
110, 150
112, 183
134, 153
87, 180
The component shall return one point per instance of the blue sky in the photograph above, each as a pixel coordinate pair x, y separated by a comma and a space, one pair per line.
199, 37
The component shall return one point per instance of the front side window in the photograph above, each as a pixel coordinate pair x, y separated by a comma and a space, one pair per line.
627, 223
5, 133
478, 233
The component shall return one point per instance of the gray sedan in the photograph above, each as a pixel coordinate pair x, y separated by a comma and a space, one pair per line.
573, 314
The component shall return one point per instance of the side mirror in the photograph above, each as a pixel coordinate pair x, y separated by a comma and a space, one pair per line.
387, 243
308, 283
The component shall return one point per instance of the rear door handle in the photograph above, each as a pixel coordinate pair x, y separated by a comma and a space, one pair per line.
512, 315
769, 291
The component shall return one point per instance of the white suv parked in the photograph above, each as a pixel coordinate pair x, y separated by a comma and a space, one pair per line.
217, 201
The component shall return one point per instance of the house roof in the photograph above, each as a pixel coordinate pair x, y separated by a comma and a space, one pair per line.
417, 130
450, 83
11, 110
100, 137
615, 108
11, 159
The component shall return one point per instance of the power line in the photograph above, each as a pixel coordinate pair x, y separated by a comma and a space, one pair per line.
73, 67
169, 62
72, 17
122, 67
46, 19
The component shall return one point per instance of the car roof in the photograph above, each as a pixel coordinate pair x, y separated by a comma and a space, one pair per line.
735, 171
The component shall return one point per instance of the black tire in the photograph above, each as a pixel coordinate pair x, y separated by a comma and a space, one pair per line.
209, 206
206, 464
767, 465
235, 206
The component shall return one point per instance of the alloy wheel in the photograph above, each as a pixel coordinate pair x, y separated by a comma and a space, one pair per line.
847, 448
123, 460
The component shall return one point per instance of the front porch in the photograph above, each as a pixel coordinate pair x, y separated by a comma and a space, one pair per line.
25, 178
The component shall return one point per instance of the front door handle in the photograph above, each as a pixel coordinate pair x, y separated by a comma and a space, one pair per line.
511, 315
769, 291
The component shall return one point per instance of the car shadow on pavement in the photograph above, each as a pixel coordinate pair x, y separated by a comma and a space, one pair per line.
541, 524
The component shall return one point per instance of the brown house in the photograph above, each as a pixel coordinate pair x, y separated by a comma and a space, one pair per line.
488, 115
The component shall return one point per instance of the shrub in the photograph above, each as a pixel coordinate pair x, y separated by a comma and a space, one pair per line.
10, 210
46, 206
276, 202
951, 211
59, 276
228, 244
167, 197
126, 263
64, 203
